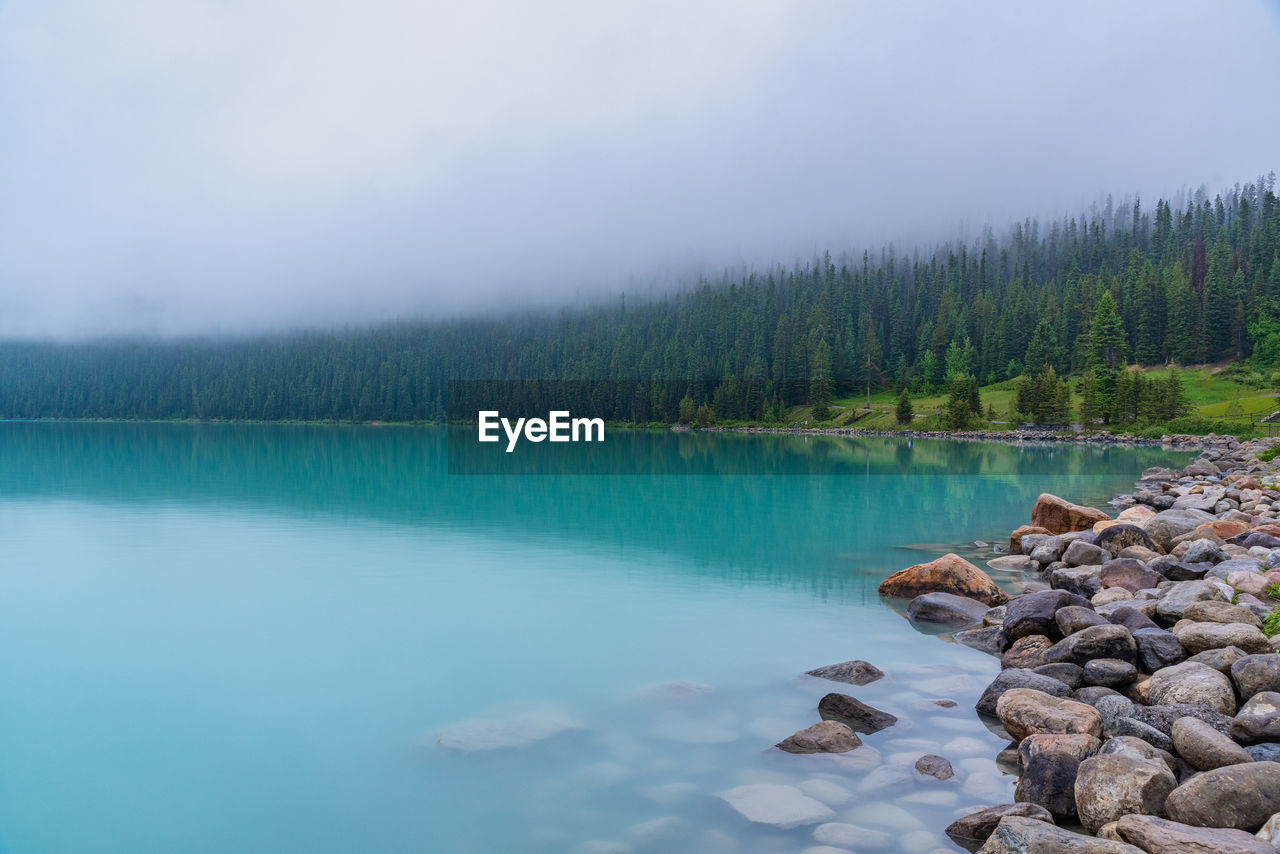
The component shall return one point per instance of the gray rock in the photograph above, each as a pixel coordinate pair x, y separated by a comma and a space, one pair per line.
1112, 785
1176, 597
1091, 694
1190, 682
857, 715
1157, 648
1254, 674
1109, 641
1139, 749
1204, 747
1017, 678
975, 828
1048, 780
1204, 551
1072, 675
932, 765
1046, 553
1240, 796
1109, 672
1113, 706
1082, 580
1018, 835
946, 608
1073, 618
776, 805
1219, 659
1162, 717
995, 616
1265, 752
1258, 719
1034, 613
988, 639
1131, 618
822, 737
1184, 571
1013, 563
1131, 727
1168, 524
854, 672
1161, 836
1132, 575
1198, 637
1081, 553
1116, 538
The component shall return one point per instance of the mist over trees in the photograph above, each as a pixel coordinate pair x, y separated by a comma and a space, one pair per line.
1187, 282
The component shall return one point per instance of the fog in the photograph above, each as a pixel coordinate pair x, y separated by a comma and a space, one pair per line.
179, 166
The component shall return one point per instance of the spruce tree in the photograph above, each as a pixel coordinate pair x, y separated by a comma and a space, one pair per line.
904, 412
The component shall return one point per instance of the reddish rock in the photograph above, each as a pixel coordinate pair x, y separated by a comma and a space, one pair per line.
948, 574
1059, 516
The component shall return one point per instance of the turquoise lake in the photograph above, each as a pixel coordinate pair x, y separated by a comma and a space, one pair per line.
219, 638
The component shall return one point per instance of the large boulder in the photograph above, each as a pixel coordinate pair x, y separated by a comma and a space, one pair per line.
1107, 641
1177, 597
1019, 835
1132, 575
1117, 538
1254, 674
1018, 678
854, 672
948, 574
1258, 719
822, 737
1035, 613
975, 828
1204, 747
776, 805
946, 608
1059, 516
1241, 796
1198, 637
1161, 836
1015, 538
857, 715
1192, 682
1048, 779
1166, 525
1112, 785
1023, 711
1216, 611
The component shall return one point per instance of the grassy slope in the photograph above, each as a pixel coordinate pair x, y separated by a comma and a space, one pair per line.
1213, 391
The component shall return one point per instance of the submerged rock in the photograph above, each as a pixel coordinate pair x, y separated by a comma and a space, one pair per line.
932, 765
973, 829
946, 608
505, 732
822, 737
854, 672
857, 715
777, 805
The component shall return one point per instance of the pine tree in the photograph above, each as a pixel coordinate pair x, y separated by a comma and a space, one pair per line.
958, 413
820, 381
1090, 409
687, 410
904, 412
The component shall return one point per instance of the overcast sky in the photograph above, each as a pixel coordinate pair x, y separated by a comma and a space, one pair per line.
172, 166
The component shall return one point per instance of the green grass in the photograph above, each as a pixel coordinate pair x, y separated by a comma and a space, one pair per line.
1271, 623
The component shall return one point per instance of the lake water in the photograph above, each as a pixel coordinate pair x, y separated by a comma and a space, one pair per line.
220, 638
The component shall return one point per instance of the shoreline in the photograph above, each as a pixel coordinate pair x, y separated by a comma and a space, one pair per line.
1130, 678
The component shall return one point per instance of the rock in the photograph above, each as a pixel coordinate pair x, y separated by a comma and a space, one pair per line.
1219, 660
1081, 553
1107, 641
1197, 637
1258, 719
1130, 727
1109, 672
972, 830
1084, 581
1204, 747
1019, 835
1162, 716
1169, 524
1161, 836
1034, 613
1132, 618
932, 765
1241, 796
1183, 571
946, 608
1059, 516
995, 616
1015, 539
1046, 553
1253, 539
1018, 678
1073, 618
1079, 745
1157, 648
822, 737
1270, 831
1178, 596
1091, 694
1027, 652
1139, 749
1265, 752
1014, 563
1109, 595
1254, 674
1117, 538
1111, 785
1072, 675
506, 732
851, 836
857, 715
1023, 711
1190, 682
1200, 468
1113, 706
1048, 780
1132, 575
948, 574
854, 672
777, 805
988, 639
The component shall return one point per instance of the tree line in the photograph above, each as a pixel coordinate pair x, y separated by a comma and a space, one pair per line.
1193, 280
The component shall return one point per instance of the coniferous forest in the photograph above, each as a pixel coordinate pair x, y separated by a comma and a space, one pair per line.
1187, 281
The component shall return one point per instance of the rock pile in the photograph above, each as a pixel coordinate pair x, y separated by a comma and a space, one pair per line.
1140, 688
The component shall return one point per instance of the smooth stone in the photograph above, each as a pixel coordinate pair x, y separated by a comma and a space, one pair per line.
1023, 711
1081, 553
1133, 728
1013, 563
1131, 574
1139, 749
1254, 674
1048, 780
1162, 717
1109, 595
1019, 835
1220, 659
1027, 652
1113, 706
1084, 581
822, 737
988, 639
854, 672
1197, 637
1111, 785
857, 715
1091, 694
1204, 747
1059, 516
1157, 649
851, 836
1018, 678
1240, 796
1258, 719
1071, 675
1079, 745
946, 608
1191, 682
777, 805
1109, 672
1073, 618
1161, 836
971, 830
1210, 611
1035, 613
1175, 598
1108, 641
948, 574
1132, 618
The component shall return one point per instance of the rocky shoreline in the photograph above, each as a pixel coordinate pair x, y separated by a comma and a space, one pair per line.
1182, 441
1139, 690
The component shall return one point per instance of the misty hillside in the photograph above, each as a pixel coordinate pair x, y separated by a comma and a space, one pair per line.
1191, 283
